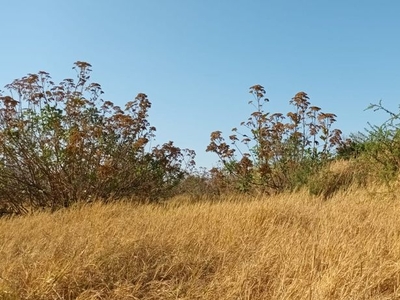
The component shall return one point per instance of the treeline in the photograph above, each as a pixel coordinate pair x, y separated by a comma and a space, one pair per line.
62, 143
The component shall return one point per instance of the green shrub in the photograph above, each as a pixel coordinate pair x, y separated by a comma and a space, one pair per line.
377, 151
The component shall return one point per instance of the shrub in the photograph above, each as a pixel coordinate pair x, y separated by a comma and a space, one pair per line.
198, 185
60, 143
378, 149
282, 150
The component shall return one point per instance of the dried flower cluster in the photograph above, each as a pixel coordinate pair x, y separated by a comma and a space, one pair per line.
60, 143
278, 145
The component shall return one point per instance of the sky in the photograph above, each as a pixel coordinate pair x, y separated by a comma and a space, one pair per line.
196, 59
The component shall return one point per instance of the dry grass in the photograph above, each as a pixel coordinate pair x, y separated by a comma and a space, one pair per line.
283, 247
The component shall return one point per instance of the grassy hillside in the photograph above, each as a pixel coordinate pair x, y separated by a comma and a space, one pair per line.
290, 246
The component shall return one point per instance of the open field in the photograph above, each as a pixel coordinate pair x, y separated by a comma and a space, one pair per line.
290, 246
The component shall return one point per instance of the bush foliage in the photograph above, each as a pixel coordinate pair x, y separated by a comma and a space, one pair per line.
60, 143
378, 149
282, 150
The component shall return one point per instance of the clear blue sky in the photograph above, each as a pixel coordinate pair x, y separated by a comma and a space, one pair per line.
196, 59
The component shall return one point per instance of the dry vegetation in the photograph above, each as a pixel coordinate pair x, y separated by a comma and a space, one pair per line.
321, 230
290, 246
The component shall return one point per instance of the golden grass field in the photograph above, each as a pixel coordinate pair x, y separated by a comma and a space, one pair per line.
290, 246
